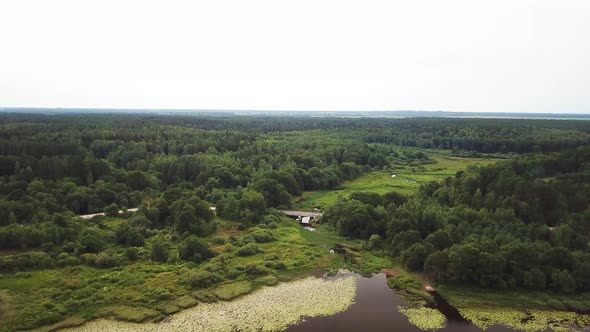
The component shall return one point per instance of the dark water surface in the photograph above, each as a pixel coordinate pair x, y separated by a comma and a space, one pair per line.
375, 309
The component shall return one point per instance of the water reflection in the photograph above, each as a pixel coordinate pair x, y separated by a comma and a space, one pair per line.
375, 309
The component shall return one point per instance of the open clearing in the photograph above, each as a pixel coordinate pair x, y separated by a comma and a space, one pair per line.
407, 180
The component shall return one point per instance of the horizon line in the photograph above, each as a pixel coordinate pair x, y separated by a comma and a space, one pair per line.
275, 110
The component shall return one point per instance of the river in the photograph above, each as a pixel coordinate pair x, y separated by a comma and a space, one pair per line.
375, 310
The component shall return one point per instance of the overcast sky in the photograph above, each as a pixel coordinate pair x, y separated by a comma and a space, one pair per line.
453, 55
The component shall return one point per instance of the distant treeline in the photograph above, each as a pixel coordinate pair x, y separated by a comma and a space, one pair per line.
481, 135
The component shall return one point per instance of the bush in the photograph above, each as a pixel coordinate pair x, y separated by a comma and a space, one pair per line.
218, 240
271, 218
249, 250
374, 242
88, 259
233, 273
245, 240
107, 259
403, 283
194, 250
262, 236
65, 259
129, 235
256, 270
111, 210
159, 252
131, 253
202, 279
26, 261
91, 240
280, 266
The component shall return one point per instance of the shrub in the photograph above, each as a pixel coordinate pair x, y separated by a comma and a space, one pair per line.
91, 240
202, 279
280, 266
194, 250
26, 261
262, 236
131, 253
111, 210
107, 259
256, 270
248, 250
218, 240
88, 259
245, 240
403, 283
374, 242
159, 252
65, 259
129, 235
271, 218
233, 273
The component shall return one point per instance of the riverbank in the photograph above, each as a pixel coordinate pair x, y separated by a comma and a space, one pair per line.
268, 309
517, 310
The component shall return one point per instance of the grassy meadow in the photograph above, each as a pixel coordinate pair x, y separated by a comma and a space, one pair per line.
407, 180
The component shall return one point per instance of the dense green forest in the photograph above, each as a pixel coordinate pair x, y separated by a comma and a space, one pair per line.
53, 167
521, 223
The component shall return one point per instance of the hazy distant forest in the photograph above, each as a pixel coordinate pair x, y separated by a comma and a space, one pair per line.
520, 223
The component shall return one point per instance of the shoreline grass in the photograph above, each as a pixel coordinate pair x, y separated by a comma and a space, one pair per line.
267, 309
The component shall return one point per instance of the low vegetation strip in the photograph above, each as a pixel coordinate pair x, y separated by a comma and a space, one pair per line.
268, 309
529, 320
426, 319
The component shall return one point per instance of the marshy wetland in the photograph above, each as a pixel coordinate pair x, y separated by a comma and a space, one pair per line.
345, 302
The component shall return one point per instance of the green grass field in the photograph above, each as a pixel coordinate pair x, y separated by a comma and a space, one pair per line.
407, 180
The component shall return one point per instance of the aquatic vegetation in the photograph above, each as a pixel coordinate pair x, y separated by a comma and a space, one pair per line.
268, 309
529, 321
232, 290
426, 319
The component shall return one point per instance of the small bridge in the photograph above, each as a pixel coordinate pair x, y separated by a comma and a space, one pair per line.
294, 213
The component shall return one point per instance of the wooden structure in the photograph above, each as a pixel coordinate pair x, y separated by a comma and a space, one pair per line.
294, 213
